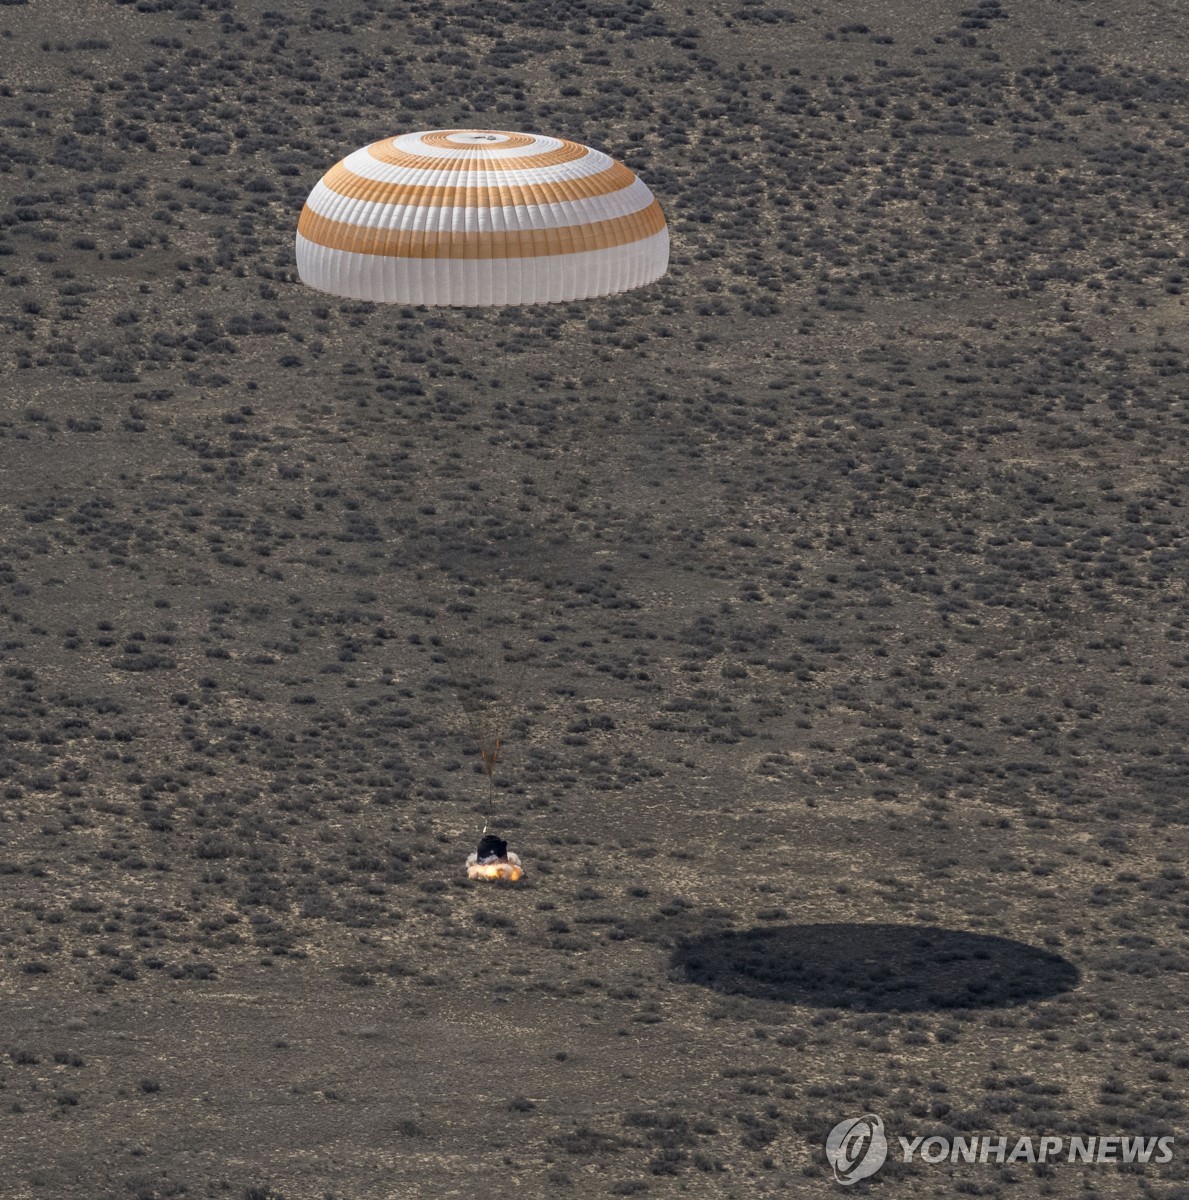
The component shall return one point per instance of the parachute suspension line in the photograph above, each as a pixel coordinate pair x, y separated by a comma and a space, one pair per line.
489, 761
489, 736
490, 758
505, 713
537, 607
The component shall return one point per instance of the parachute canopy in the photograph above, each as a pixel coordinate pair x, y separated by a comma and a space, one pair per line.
479, 217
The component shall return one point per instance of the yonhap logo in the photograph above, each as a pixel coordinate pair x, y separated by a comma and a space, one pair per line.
856, 1148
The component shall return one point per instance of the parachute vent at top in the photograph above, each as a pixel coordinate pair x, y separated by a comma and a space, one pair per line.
479, 217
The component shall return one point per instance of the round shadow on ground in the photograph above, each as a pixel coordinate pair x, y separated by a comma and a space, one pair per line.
874, 968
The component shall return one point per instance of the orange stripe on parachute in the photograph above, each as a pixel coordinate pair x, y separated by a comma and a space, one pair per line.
512, 141
344, 182
524, 243
387, 152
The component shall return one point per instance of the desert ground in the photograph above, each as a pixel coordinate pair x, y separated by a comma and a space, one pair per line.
829, 594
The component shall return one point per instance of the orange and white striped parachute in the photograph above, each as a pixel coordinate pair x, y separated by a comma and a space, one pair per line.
479, 217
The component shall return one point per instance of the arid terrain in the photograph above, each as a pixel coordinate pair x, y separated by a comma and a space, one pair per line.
829, 594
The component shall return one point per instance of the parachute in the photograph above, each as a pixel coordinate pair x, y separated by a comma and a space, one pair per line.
471, 217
